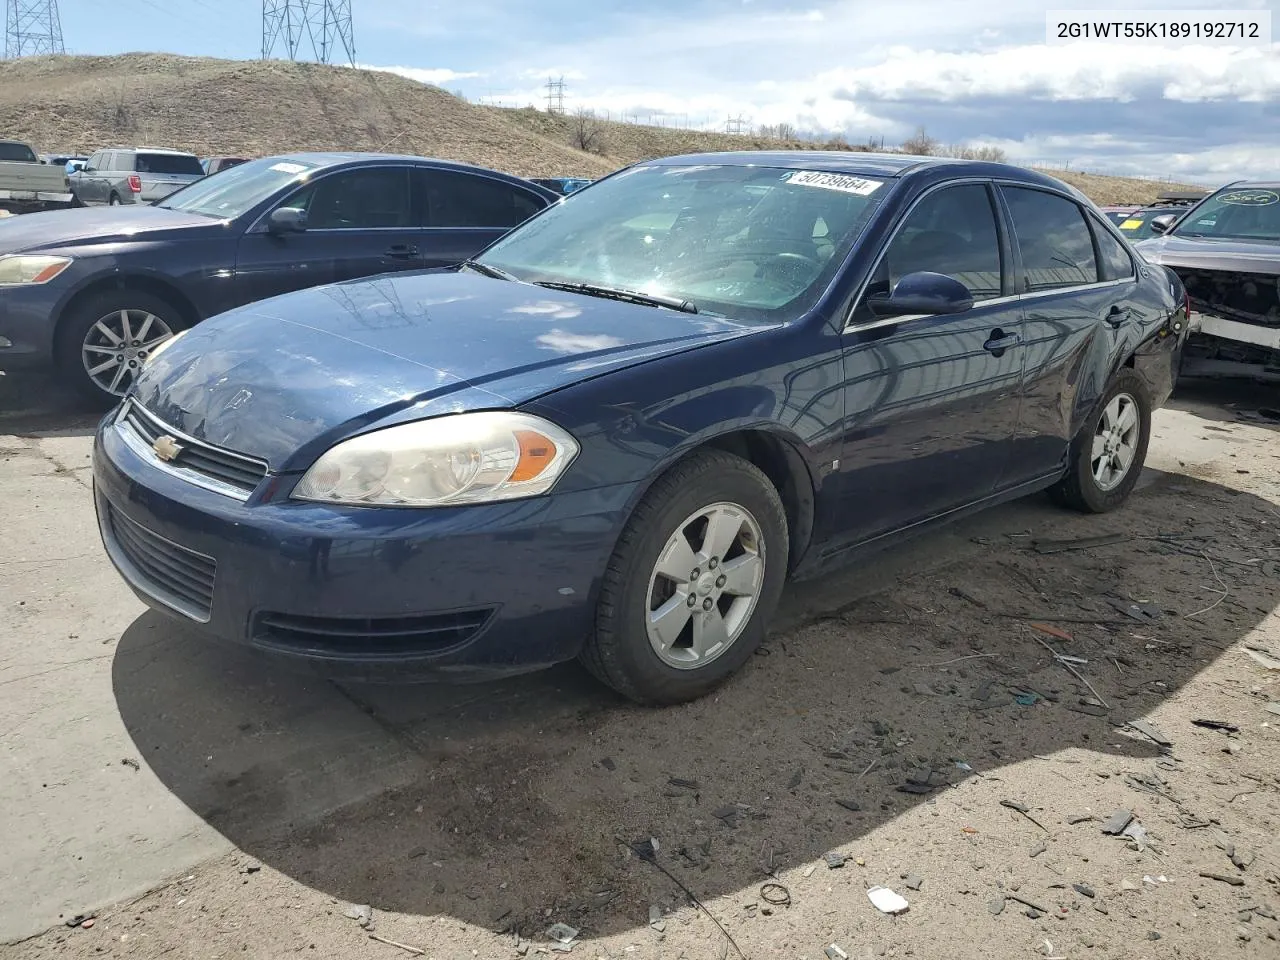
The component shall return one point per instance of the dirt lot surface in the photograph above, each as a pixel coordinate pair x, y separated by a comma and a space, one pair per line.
909, 716
258, 108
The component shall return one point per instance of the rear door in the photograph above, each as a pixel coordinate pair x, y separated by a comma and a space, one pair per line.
932, 401
465, 212
1077, 285
91, 182
360, 223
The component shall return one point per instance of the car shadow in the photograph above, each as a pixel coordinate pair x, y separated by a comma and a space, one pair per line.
34, 404
1229, 401
880, 688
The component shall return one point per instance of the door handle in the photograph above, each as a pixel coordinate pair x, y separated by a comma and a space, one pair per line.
1117, 315
402, 251
1000, 341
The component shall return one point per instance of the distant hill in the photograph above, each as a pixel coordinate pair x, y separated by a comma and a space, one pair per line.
255, 107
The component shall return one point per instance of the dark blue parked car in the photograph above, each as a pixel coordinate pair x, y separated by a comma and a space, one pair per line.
93, 292
615, 433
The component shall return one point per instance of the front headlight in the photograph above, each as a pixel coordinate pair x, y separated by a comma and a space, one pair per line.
461, 458
23, 268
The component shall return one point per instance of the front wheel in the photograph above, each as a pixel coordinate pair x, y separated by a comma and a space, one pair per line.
1107, 456
104, 341
695, 577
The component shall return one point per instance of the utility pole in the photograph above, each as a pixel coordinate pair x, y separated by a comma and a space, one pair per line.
325, 24
32, 27
735, 125
555, 95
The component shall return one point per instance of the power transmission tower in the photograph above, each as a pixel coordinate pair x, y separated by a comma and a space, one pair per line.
32, 27
555, 95
735, 125
325, 24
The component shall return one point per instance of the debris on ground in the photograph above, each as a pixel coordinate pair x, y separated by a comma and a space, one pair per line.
1074, 818
562, 933
996, 906
1023, 809
1149, 731
416, 951
1084, 890
886, 901
833, 952
1084, 543
851, 805
1263, 656
912, 882
1038, 849
608, 764
80, 919
361, 912
1145, 612
835, 860
1222, 878
1220, 725
655, 918
131, 763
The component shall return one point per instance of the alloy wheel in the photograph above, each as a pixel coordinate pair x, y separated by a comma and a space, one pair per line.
116, 346
704, 586
1115, 442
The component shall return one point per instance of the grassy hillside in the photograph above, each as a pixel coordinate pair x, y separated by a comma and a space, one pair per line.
254, 107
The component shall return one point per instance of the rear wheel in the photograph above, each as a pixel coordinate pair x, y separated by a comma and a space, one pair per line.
114, 201
696, 575
105, 340
1107, 457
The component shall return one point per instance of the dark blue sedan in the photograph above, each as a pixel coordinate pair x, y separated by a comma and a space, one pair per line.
615, 433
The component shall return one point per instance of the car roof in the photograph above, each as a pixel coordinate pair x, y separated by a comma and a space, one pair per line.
1263, 184
856, 163
331, 159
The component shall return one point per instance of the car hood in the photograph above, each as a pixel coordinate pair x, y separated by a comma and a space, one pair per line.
1205, 253
56, 229
285, 378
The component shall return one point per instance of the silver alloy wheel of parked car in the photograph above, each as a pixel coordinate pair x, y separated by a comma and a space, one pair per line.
1115, 442
701, 598
117, 345
114, 201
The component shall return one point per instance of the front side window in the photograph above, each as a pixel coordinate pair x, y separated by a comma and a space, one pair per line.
368, 199
11, 152
456, 199
751, 242
1054, 239
1235, 213
1116, 264
951, 231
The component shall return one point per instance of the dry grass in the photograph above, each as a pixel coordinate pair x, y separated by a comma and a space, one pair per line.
254, 108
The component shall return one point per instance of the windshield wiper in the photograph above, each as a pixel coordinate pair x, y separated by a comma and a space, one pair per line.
488, 271
617, 293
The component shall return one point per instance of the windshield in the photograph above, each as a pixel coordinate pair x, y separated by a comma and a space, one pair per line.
17, 153
171, 163
754, 243
238, 189
1236, 213
1137, 225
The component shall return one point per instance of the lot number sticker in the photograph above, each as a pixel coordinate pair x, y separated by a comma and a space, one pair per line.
289, 167
834, 181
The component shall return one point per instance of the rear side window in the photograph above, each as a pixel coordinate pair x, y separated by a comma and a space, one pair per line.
117, 161
1115, 263
1057, 248
951, 231
468, 200
173, 163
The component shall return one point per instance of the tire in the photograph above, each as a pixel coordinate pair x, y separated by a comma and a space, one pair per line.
1083, 487
79, 339
114, 201
742, 499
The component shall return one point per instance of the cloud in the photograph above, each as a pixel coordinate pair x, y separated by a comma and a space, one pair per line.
436, 77
565, 73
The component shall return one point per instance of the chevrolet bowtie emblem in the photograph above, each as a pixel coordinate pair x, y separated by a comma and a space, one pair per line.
166, 447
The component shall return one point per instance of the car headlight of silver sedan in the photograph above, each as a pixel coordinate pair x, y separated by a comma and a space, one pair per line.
462, 458
29, 268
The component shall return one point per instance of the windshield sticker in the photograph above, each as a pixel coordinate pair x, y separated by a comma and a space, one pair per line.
289, 167
1131, 225
1250, 198
834, 181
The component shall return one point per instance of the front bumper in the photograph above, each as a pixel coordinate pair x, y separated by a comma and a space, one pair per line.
27, 313
362, 593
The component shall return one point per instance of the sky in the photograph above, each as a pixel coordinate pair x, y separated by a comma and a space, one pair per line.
968, 71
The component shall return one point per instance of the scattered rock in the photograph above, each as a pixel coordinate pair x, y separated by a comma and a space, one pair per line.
912, 882
1038, 849
835, 860
1222, 878
1149, 731
1153, 935
833, 952
562, 933
1220, 725
361, 912
1074, 818
1084, 890
608, 764
852, 805
1118, 822
996, 906
80, 918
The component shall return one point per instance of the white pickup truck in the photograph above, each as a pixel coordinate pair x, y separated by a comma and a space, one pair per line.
26, 184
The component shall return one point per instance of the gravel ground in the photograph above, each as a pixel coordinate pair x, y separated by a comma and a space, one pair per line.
926, 733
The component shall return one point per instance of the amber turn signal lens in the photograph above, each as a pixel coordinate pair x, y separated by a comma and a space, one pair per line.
536, 453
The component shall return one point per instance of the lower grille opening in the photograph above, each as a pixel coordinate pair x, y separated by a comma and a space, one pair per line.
368, 636
181, 578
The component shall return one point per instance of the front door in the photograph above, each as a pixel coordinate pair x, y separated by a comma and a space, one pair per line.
932, 401
360, 223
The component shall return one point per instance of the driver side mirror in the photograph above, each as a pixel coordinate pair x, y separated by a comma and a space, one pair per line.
1161, 224
287, 220
923, 293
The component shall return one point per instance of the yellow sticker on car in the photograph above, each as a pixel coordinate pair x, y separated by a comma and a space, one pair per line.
1131, 225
